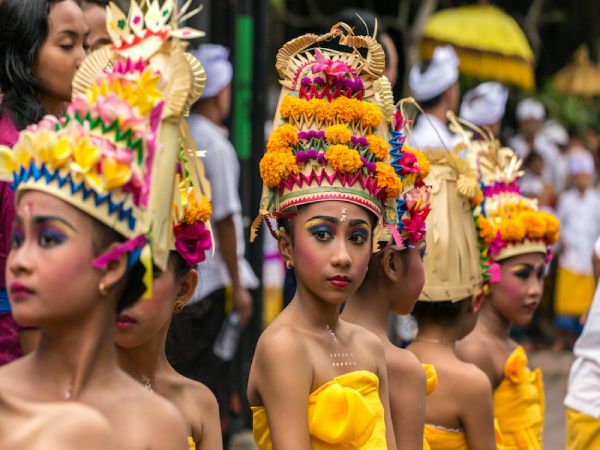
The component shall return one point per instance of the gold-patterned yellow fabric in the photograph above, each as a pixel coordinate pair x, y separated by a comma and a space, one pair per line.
344, 413
191, 443
441, 439
583, 431
519, 404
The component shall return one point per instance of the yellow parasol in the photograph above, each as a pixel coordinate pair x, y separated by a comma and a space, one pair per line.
581, 77
489, 43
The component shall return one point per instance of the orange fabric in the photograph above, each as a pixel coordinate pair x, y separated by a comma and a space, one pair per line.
344, 413
519, 404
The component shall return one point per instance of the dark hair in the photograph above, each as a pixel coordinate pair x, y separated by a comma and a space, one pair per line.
531, 158
132, 283
23, 31
180, 265
87, 3
441, 313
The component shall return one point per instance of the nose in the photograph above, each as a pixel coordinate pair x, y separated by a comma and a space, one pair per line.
341, 256
81, 54
536, 287
20, 260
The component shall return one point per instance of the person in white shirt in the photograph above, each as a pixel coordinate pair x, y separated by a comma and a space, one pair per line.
225, 277
434, 85
583, 396
484, 106
579, 214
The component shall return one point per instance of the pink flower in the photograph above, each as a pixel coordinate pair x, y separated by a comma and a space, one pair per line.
330, 68
497, 245
192, 241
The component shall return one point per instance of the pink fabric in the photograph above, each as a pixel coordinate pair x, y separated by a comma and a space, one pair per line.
8, 136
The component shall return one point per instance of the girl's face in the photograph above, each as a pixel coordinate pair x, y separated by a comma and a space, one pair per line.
144, 320
49, 272
518, 293
410, 283
332, 244
63, 51
95, 17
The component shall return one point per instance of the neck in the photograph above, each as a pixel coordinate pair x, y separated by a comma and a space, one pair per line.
434, 334
369, 308
438, 111
144, 361
209, 109
54, 106
491, 321
317, 312
75, 355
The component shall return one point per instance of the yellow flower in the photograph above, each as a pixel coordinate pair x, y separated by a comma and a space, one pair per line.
59, 153
291, 107
114, 173
511, 229
388, 180
276, 167
378, 147
85, 156
343, 159
197, 211
338, 134
7, 162
477, 199
486, 230
534, 224
343, 109
421, 160
371, 114
552, 227
281, 139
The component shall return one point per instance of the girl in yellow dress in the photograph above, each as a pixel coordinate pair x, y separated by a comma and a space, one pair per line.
94, 195
517, 237
317, 381
393, 284
459, 411
141, 330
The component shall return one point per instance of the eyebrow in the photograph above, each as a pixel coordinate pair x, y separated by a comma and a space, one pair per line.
44, 219
330, 219
73, 33
357, 222
522, 266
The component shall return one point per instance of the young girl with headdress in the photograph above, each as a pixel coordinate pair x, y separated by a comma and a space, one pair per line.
459, 412
142, 329
515, 238
317, 381
393, 284
94, 194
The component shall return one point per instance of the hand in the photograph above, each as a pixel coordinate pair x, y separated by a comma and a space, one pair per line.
242, 302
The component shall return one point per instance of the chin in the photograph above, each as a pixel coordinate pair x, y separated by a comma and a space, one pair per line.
522, 319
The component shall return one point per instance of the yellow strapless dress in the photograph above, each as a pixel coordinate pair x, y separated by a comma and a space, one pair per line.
191, 443
431, 382
344, 413
438, 438
519, 404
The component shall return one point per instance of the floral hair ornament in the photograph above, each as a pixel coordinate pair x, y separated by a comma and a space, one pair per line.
509, 223
330, 138
114, 154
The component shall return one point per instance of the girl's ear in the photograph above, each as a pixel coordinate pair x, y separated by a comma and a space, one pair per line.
115, 269
476, 302
391, 263
187, 286
286, 248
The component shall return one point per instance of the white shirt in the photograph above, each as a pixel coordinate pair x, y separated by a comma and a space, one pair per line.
579, 228
431, 132
223, 171
553, 161
583, 394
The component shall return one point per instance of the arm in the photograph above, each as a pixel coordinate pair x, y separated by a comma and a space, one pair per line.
169, 430
407, 399
384, 394
210, 437
477, 411
283, 377
225, 233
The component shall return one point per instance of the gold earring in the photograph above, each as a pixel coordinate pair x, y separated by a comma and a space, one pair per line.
178, 306
103, 289
288, 265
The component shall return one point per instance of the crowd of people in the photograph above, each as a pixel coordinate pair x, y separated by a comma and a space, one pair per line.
124, 285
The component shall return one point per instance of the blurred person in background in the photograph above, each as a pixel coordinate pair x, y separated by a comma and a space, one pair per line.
484, 106
42, 44
579, 214
559, 136
225, 277
434, 85
533, 184
94, 12
582, 402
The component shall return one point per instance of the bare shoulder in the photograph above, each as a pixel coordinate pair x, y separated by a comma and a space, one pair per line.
476, 350
475, 383
280, 342
364, 337
403, 364
76, 426
199, 394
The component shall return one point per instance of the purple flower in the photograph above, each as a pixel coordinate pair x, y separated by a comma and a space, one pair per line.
306, 82
318, 80
301, 157
302, 135
311, 154
370, 166
321, 158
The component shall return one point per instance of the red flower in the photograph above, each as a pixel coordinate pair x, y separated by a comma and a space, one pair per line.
192, 241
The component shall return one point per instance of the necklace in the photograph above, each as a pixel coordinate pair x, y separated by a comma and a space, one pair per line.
69, 392
146, 382
331, 332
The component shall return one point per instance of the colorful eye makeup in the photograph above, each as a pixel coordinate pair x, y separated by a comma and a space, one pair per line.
360, 232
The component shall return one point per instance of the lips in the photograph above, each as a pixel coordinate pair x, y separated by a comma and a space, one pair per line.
340, 281
18, 291
125, 322
532, 306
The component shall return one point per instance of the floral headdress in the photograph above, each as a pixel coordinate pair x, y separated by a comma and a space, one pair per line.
330, 136
114, 154
453, 268
509, 223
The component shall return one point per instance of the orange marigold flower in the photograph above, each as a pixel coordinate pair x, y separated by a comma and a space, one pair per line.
291, 107
343, 159
486, 230
371, 114
197, 211
476, 201
378, 147
338, 134
534, 224
282, 138
343, 109
276, 167
552, 227
511, 229
388, 180
421, 160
